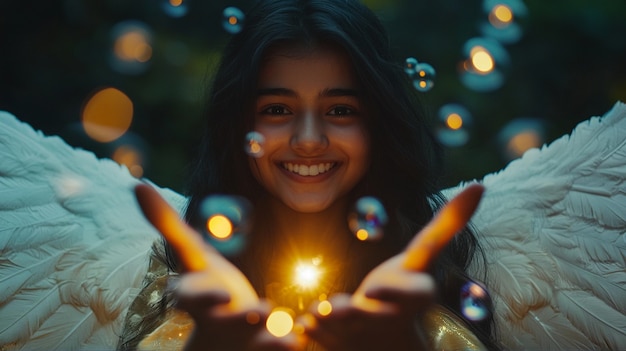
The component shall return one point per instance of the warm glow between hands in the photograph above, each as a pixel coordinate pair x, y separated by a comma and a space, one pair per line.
279, 323
324, 308
306, 275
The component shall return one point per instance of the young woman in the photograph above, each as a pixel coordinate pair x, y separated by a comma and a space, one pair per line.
340, 121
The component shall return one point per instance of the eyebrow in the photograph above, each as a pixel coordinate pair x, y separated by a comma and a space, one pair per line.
328, 92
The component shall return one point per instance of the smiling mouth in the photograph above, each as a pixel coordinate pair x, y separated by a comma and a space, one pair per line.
308, 170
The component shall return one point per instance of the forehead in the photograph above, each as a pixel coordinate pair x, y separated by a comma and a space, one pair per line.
319, 65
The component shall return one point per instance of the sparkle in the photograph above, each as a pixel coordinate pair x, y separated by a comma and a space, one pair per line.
307, 276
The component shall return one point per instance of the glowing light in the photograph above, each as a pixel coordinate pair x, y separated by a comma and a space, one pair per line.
454, 121
174, 8
107, 115
453, 125
520, 135
362, 234
253, 318
482, 68
475, 302
481, 60
424, 78
317, 260
233, 19
306, 276
279, 323
324, 308
132, 48
523, 141
254, 144
225, 222
501, 16
368, 219
131, 158
220, 226
409, 65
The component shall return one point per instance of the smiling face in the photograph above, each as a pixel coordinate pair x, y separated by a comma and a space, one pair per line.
309, 110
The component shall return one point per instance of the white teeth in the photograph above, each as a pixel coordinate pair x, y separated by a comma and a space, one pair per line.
311, 170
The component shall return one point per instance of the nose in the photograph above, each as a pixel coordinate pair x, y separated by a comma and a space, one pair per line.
309, 135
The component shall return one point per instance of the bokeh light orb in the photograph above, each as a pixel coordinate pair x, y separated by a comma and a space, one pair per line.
132, 47
368, 219
409, 66
131, 157
453, 125
107, 115
484, 60
175, 8
421, 74
521, 135
225, 222
502, 20
280, 322
254, 144
324, 308
424, 77
475, 302
233, 20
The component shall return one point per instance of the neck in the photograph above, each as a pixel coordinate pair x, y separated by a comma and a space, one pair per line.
310, 234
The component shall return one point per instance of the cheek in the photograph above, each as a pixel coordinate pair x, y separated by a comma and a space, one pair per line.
262, 167
254, 168
357, 145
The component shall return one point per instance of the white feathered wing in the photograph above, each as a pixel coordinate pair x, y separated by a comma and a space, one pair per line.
74, 246
553, 227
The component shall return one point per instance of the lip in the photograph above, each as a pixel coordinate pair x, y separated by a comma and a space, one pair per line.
309, 179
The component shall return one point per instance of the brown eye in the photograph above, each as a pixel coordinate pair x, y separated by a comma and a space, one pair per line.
341, 111
276, 110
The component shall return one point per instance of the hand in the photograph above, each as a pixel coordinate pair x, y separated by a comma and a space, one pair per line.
381, 313
227, 312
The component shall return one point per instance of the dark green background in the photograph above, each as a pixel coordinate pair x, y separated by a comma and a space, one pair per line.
569, 65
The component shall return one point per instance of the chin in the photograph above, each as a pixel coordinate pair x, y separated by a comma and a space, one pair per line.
308, 206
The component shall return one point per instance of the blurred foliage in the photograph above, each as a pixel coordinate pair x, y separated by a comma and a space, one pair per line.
569, 65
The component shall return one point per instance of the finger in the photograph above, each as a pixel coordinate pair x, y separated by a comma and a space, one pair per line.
412, 291
184, 240
264, 341
197, 291
442, 228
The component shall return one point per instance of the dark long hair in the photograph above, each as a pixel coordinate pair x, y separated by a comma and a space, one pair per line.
405, 160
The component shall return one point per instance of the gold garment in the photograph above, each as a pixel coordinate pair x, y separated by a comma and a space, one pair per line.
446, 331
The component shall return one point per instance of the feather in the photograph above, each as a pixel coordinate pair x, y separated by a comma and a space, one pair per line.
74, 245
552, 331
27, 264
605, 326
553, 228
28, 310
64, 330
